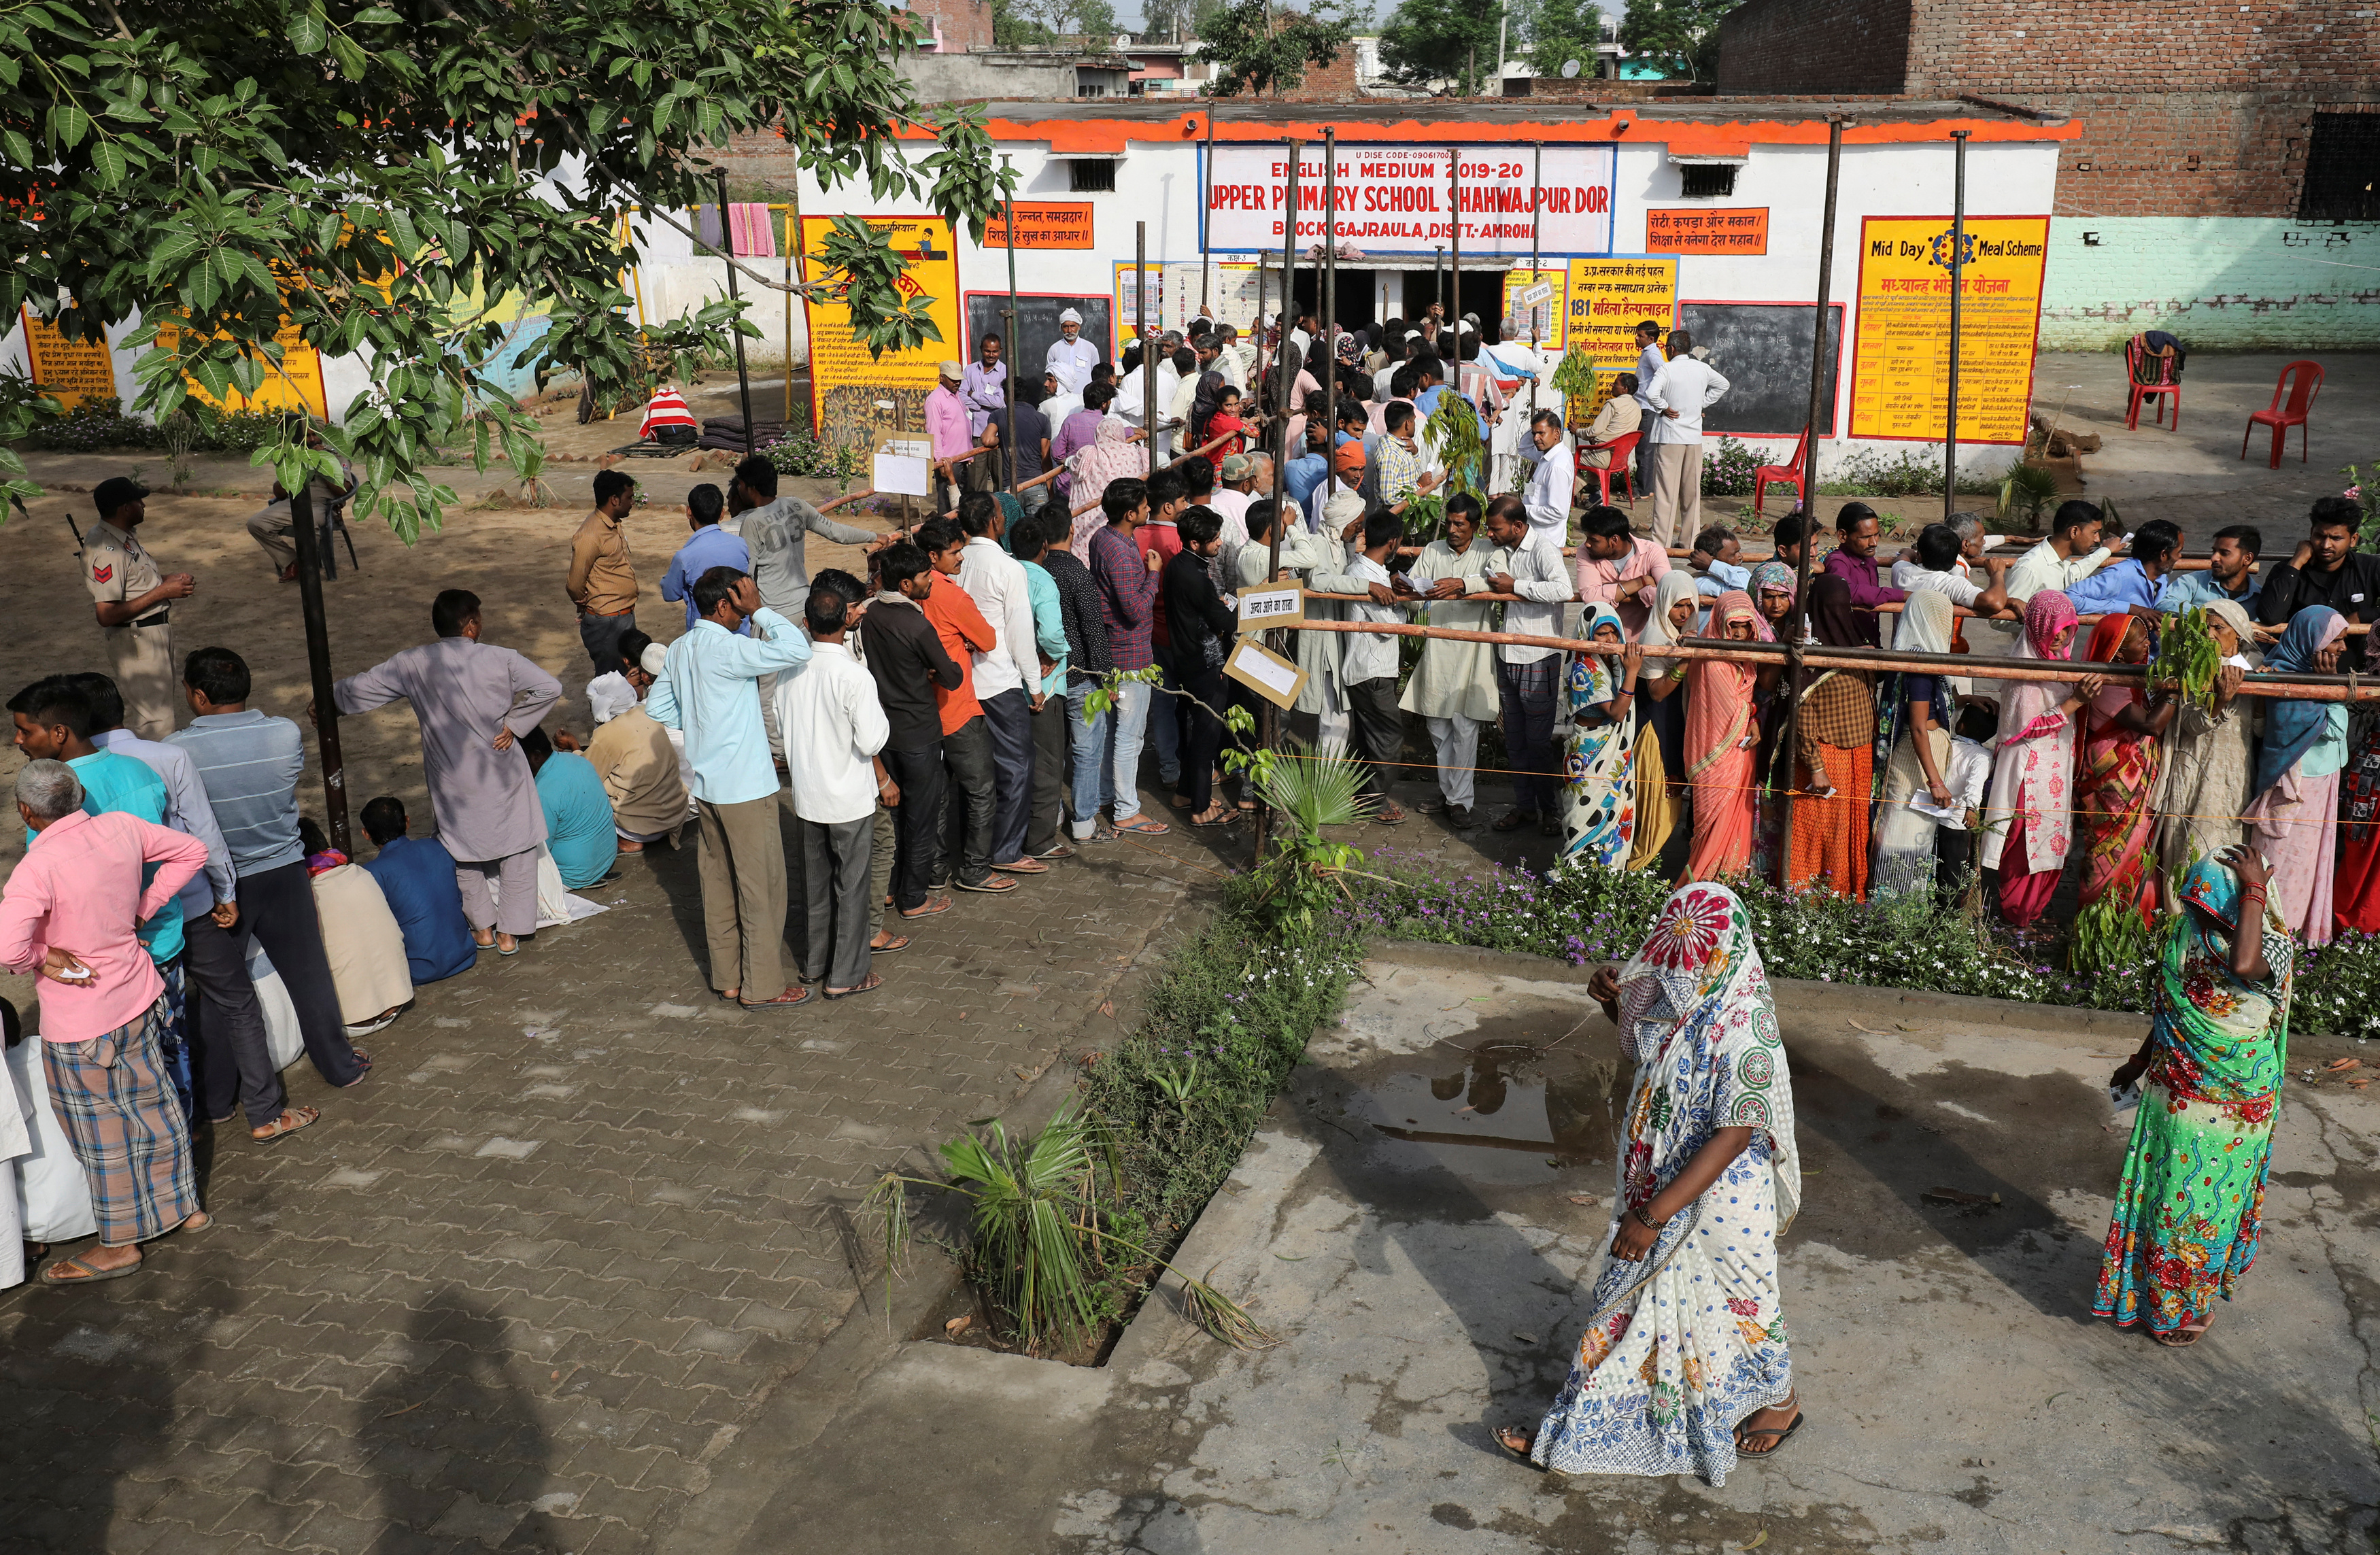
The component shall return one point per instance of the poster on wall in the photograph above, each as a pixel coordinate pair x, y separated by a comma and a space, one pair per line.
1399, 199
1609, 297
296, 386
1130, 282
1715, 230
1901, 343
1041, 224
855, 397
70, 372
1533, 299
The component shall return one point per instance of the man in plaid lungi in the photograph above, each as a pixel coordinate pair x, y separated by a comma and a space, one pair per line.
69, 910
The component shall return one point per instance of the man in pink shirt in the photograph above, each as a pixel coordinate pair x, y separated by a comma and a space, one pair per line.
69, 911
1617, 567
946, 429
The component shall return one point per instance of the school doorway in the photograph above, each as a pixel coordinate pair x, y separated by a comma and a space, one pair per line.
1483, 292
1358, 292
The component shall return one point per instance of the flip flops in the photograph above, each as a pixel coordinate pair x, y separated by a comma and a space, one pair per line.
86, 1274
900, 942
786, 1000
871, 986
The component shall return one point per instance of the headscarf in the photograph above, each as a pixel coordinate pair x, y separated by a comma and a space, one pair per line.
1594, 677
1204, 403
2048, 614
2234, 616
1675, 585
1109, 458
610, 694
1771, 578
1926, 617
1832, 616
1736, 605
2291, 726
2218, 1038
324, 862
1349, 348
1696, 1013
1718, 709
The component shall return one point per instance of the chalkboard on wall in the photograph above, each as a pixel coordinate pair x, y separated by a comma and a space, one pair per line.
1762, 351
1036, 326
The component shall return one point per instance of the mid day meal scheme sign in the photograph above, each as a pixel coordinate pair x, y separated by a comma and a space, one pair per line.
1901, 366
1402, 200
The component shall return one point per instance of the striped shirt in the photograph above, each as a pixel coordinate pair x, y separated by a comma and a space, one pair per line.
249, 764
1127, 598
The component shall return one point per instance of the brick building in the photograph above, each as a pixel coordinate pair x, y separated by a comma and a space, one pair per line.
2222, 186
961, 24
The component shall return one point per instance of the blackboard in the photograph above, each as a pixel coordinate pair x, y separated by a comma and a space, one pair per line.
1762, 351
1037, 326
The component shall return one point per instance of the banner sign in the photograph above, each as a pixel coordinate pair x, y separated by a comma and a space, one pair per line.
1397, 199
1041, 224
1744, 230
1533, 299
1609, 297
1261, 608
1901, 355
855, 397
69, 371
296, 386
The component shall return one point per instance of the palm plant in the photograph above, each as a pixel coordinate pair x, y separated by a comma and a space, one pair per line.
1310, 791
1042, 1236
2026, 493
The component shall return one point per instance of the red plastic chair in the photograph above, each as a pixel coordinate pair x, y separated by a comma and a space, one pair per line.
1787, 474
2152, 376
1622, 450
2300, 382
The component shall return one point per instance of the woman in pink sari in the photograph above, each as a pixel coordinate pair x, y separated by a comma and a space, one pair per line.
1721, 734
2028, 822
1108, 457
2293, 818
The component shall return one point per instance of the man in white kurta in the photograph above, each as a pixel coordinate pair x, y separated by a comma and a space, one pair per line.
473, 700
1069, 357
1453, 687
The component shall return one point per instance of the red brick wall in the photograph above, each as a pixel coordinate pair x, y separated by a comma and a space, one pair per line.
2188, 107
1778, 47
1334, 82
966, 24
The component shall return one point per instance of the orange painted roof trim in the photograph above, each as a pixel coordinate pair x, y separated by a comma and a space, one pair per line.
1711, 133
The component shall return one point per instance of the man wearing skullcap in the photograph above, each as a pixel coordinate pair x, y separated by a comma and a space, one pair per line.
1071, 356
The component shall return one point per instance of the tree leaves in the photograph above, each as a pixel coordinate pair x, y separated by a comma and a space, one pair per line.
1258, 48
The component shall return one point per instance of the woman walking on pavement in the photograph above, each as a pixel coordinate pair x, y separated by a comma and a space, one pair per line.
2191, 1207
1683, 1367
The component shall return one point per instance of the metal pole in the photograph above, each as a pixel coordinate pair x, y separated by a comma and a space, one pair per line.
1957, 287
1329, 301
317, 665
1140, 312
1438, 277
1205, 203
1796, 638
1263, 276
742, 377
1008, 433
1536, 219
1454, 237
1269, 733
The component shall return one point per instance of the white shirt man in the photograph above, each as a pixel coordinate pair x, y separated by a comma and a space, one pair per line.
1676, 399
834, 726
995, 580
1070, 356
1539, 574
1553, 479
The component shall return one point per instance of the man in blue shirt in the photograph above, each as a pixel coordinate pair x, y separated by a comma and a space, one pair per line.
2137, 580
416, 875
709, 689
1310, 469
578, 823
1026, 446
710, 546
2230, 574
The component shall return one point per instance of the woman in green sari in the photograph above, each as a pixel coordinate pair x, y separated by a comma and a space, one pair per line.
2190, 1206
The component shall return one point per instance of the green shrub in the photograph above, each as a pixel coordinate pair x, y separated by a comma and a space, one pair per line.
2338, 987
818, 461
98, 422
1728, 471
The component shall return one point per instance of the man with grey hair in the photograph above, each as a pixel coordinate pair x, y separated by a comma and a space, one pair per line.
69, 913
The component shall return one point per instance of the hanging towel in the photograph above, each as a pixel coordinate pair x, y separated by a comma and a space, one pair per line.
707, 229
754, 231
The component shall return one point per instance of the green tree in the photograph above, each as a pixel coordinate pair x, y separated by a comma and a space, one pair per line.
384, 176
1431, 41
1257, 48
1561, 31
1013, 26
1045, 22
1681, 35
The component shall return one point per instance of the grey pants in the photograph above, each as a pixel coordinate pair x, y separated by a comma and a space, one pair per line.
1041, 830
234, 1060
1376, 729
741, 863
883, 845
602, 636
835, 888
966, 829
514, 911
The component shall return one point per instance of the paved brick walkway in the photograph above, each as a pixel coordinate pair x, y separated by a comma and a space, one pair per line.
519, 1289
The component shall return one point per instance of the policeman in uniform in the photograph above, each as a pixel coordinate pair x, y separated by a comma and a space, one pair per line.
131, 599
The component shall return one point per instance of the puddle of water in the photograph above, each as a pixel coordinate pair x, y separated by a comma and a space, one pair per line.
1511, 1115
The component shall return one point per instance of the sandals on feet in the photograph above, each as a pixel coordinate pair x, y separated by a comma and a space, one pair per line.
291, 1120
1141, 826
1513, 820
84, 1274
898, 942
1518, 1442
2181, 1338
1783, 1435
929, 907
786, 1000
873, 983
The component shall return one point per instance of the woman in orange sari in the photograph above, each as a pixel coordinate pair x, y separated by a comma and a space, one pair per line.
2115, 782
1721, 736
1835, 762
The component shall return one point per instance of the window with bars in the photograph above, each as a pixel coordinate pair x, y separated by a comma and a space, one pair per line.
1084, 177
2342, 173
1707, 180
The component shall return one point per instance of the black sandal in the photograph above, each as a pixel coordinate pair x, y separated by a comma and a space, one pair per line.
1518, 1442
1782, 1436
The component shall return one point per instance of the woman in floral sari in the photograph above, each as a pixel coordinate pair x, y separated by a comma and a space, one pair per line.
1599, 798
2116, 786
1683, 1366
2028, 819
1721, 734
1110, 457
2191, 1207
